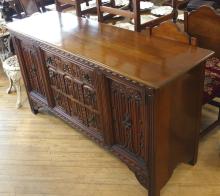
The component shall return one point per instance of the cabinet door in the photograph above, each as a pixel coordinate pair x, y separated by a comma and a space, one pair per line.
29, 57
129, 118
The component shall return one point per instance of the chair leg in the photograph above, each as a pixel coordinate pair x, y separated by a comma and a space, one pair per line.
137, 18
99, 12
78, 9
175, 16
10, 86
112, 3
219, 114
211, 127
18, 90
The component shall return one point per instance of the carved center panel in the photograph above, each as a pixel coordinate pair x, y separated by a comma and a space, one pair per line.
75, 86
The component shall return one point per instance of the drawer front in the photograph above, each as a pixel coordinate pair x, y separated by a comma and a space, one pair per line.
64, 66
129, 118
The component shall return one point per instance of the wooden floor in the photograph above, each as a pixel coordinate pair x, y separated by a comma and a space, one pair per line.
41, 155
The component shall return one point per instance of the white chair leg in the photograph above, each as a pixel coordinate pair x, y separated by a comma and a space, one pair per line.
10, 86
18, 90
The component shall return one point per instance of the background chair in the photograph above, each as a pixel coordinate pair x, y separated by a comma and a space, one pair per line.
204, 25
29, 6
41, 3
12, 70
10, 65
171, 31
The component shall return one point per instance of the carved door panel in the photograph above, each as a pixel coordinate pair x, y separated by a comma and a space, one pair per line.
129, 116
30, 62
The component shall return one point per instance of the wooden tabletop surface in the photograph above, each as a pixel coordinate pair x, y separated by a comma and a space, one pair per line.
151, 61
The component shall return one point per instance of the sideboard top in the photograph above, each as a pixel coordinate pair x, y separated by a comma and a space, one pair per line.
150, 61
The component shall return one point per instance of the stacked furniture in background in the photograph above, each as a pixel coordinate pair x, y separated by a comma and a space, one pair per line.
133, 12
64, 4
29, 7
40, 4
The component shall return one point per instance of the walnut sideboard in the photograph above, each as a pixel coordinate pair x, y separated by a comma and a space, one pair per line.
137, 96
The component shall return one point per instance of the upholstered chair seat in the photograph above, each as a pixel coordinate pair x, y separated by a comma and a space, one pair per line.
212, 79
195, 4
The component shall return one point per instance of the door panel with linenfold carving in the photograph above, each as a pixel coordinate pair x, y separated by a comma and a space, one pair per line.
31, 65
128, 111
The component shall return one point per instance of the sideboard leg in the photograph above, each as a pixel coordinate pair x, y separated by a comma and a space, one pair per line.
142, 178
34, 108
34, 111
193, 161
